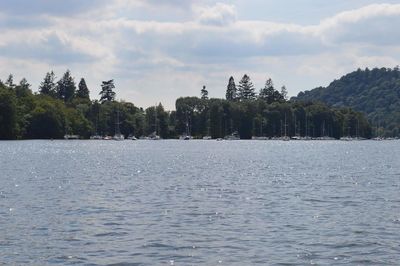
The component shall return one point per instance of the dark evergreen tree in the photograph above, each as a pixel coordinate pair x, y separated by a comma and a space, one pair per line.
83, 91
24, 83
269, 94
47, 86
107, 93
284, 93
10, 82
8, 114
23, 89
66, 87
246, 89
231, 93
204, 93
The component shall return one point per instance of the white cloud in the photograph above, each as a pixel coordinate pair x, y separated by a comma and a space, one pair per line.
218, 15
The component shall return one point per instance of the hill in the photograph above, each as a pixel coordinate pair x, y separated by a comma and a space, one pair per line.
374, 92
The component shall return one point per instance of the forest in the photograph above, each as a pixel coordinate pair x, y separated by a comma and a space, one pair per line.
375, 92
62, 107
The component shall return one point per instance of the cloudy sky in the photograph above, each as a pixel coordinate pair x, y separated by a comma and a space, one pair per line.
158, 50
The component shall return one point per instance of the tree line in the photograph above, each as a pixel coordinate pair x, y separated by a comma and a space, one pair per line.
61, 107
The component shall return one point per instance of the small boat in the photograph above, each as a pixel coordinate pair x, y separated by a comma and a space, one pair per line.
185, 137
233, 136
153, 136
207, 137
131, 137
118, 137
96, 137
259, 138
68, 136
285, 138
107, 138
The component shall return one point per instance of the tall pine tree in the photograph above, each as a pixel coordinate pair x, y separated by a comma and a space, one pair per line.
284, 93
269, 94
246, 89
23, 89
83, 91
107, 93
66, 87
231, 92
10, 82
47, 86
204, 93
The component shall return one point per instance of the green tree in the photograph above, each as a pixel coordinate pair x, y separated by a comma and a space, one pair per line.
10, 82
284, 93
48, 86
107, 94
231, 92
66, 87
47, 120
246, 89
8, 114
269, 94
204, 93
83, 91
23, 88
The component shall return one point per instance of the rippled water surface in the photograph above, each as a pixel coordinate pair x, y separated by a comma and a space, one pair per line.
199, 203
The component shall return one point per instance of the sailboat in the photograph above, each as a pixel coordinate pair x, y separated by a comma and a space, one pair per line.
233, 136
153, 135
96, 136
67, 135
324, 136
186, 135
261, 137
118, 136
208, 136
285, 137
377, 135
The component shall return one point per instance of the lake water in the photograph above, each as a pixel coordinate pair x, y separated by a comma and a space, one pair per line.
199, 203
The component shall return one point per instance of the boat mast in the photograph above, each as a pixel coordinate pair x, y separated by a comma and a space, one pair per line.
155, 119
285, 126
117, 129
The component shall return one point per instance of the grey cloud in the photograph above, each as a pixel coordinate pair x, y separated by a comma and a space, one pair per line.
51, 50
382, 30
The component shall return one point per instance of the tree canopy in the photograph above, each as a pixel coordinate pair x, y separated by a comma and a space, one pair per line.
107, 94
374, 92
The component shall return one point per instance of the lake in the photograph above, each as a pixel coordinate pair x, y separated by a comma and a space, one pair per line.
173, 202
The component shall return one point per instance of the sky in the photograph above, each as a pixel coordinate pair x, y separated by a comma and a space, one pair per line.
159, 50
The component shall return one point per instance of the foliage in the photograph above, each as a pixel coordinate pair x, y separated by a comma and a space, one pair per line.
83, 91
66, 87
107, 94
231, 91
48, 86
8, 113
246, 89
270, 95
374, 92
204, 93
